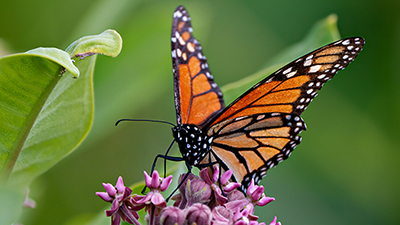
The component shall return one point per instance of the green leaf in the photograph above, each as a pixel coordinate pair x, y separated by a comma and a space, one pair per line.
107, 43
45, 113
10, 207
61, 125
57, 56
323, 32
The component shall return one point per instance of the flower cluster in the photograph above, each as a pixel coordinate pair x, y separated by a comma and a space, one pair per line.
209, 198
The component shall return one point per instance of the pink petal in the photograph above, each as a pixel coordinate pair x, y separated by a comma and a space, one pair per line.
222, 215
273, 221
241, 222
250, 211
30, 203
215, 176
127, 192
165, 183
265, 201
104, 196
155, 179
110, 189
147, 179
218, 195
255, 223
157, 199
246, 211
139, 199
237, 215
257, 193
236, 204
226, 176
114, 208
120, 185
204, 175
251, 187
253, 218
231, 186
116, 220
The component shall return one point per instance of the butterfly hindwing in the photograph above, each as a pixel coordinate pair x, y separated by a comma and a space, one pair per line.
250, 145
197, 96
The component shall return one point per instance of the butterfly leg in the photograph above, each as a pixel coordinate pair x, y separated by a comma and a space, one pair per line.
182, 181
165, 159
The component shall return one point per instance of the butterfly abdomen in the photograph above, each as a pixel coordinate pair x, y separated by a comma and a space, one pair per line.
193, 143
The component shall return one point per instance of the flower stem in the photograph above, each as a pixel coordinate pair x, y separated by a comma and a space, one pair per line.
128, 214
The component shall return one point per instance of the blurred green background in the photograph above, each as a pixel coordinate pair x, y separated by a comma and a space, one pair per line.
346, 169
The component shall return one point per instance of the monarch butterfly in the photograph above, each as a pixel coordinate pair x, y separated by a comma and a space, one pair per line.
261, 127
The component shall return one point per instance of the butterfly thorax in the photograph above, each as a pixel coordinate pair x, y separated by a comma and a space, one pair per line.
193, 143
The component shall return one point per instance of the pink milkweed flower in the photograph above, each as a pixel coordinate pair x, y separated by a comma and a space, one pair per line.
199, 214
200, 201
172, 216
193, 190
121, 207
216, 182
153, 201
221, 216
256, 194
154, 196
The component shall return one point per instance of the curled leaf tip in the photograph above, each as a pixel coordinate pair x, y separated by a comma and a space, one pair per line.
109, 43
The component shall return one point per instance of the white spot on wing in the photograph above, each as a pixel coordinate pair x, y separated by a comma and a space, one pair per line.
287, 70
291, 74
260, 117
177, 14
314, 69
181, 41
178, 52
346, 42
307, 63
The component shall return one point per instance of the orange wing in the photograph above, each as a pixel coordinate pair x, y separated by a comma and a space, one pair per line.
252, 144
260, 128
197, 96
292, 88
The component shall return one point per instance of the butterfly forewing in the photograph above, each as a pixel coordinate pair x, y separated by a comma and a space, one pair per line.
293, 87
197, 97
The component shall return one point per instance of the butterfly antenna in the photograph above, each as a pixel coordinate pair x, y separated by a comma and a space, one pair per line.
144, 120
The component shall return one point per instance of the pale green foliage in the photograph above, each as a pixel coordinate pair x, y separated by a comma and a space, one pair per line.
46, 110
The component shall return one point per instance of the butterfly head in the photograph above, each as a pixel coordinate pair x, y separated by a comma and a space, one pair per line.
193, 143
